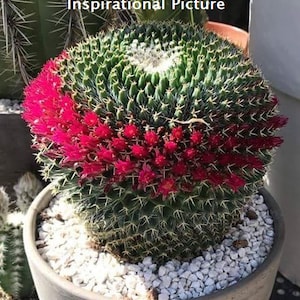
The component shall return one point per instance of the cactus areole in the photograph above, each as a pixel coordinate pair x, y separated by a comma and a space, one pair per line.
158, 132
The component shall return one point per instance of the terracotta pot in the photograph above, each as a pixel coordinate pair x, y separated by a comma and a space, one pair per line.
235, 35
49, 285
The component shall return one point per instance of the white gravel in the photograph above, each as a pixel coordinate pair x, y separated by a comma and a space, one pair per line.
64, 244
8, 106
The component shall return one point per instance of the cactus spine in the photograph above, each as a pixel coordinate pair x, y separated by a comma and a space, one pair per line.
158, 132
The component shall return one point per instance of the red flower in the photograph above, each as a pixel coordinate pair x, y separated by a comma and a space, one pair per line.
91, 169
130, 131
214, 140
170, 146
235, 182
73, 153
160, 160
77, 128
151, 138
196, 137
91, 119
186, 187
231, 142
123, 168
106, 155
189, 153
177, 133
199, 174
119, 144
146, 176
103, 132
215, 178
254, 162
179, 168
61, 137
167, 186
208, 158
88, 141
277, 122
139, 151
226, 159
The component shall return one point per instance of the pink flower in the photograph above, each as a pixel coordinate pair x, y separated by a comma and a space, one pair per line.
146, 176
214, 140
179, 168
123, 168
106, 155
130, 131
208, 157
103, 132
91, 169
139, 151
177, 133
119, 144
189, 153
196, 137
167, 186
160, 160
91, 119
199, 174
88, 141
151, 138
73, 153
170, 146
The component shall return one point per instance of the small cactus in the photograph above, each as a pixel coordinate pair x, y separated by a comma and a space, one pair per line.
15, 276
33, 31
26, 190
159, 133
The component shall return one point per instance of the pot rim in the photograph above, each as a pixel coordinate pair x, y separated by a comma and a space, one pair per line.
44, 197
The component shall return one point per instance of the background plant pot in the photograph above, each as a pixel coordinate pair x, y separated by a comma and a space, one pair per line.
50, 286
274, 47
16, 155
233, 34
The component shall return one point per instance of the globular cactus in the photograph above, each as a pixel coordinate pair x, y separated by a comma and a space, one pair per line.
33, 31
15, 276
158, 132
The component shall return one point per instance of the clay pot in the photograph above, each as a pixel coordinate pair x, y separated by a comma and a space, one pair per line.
235, 35
49, 285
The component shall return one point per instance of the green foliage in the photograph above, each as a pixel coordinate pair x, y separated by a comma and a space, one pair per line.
32, 31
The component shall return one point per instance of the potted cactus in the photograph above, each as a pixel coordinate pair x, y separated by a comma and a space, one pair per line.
158, 134
31, 32
15, 276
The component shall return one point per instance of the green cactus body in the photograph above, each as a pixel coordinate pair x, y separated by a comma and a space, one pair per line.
15, 276
33, 31
159, 133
